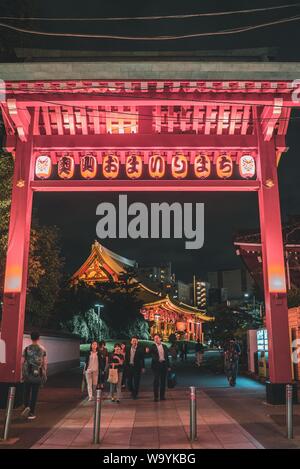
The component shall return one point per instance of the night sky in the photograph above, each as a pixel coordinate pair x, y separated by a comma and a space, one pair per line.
283, 37
225, 213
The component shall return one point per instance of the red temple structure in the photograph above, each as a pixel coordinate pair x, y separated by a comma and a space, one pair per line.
139, 126
169, 317
165, 315
102, 265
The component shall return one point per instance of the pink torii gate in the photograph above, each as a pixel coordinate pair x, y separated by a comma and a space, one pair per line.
98, 117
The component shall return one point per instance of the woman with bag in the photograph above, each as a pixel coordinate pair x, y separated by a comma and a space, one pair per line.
92, 369
116, 365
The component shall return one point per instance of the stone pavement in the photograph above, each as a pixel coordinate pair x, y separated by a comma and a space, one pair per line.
63, 419
147, 424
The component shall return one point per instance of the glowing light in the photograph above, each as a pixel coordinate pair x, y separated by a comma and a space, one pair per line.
224, 166
88, 166
269, 183
13, 279
277, 282
181, 326
43, 167
134, 166
202, 166
110, 166
247, 166
66, 167
157, 166
179, 166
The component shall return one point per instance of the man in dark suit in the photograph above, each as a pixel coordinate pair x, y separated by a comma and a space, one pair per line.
160, 367
134, 366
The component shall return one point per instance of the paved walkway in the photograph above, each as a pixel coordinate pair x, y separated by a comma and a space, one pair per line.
147, 424
227, 417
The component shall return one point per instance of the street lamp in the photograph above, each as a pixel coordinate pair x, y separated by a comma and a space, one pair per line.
99, 306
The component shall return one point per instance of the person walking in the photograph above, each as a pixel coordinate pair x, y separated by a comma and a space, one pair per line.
160, 367
199, 350
173, 352
103, 355
124, 378
92, 369
183, 354
34, 374
134, 366
116, 362
232, 353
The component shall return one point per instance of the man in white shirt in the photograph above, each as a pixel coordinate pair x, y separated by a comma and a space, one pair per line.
160, 367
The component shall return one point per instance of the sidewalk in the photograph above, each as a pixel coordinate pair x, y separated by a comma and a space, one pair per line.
227, 417
150, 425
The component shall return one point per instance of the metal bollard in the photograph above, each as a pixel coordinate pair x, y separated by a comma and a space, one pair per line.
193, 414
289, 410
10, 406
97, 416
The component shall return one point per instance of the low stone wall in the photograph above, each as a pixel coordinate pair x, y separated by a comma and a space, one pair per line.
63, 351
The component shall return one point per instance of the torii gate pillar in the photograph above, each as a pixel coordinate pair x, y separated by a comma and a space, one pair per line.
280, 371
15, 284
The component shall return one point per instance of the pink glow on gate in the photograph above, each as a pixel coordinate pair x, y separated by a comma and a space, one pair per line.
13, 279
277, 283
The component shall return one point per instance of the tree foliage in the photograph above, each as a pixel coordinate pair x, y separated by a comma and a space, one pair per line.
229, 322
294, 297
88, 326
120, 314
45, 261
45, 275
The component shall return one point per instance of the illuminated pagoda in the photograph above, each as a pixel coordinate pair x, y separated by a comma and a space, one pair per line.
102, 265
165, 316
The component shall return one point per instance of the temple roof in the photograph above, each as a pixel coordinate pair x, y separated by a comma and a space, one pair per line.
103, 265
191, 69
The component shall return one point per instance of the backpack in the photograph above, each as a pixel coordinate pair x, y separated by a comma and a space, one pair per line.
33, 371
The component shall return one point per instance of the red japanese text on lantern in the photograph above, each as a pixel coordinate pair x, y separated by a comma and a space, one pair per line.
157, 166
179, 166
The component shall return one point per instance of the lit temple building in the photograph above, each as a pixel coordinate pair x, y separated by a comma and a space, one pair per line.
167, 317
102, 265
164, 314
